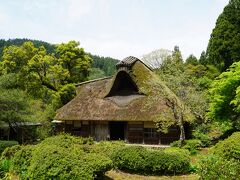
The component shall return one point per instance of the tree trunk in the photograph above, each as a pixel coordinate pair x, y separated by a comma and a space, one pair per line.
182, 131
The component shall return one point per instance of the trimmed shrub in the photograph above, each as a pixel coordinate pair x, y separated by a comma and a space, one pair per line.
106, 148
54, 162
4, 167
224, 160
193, 145
229, 148
66, 140
130, 159
60, 157
147, 161
9, 152
21, 161
215, 167
5, 144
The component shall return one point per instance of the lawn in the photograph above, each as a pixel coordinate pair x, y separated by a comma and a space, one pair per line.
118, 175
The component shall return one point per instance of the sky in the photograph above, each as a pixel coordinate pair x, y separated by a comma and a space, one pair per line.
114, 28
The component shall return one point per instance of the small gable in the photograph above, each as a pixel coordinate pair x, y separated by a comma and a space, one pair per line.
123, 85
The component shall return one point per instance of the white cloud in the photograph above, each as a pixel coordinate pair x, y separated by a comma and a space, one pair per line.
115, 48
79, 8
3, 17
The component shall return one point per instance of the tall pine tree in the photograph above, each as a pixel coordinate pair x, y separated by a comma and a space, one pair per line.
224, 44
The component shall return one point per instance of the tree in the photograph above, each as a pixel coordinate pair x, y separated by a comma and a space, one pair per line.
42, 74
191, 60
176, 76
203, 58
177, 55
13, 105
225, 97
155, 58
105, 64
74, 60
224, 47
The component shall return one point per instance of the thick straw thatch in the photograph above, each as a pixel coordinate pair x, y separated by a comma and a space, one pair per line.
100, 100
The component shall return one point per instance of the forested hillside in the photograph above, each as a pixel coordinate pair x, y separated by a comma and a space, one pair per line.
101, 66
37, 78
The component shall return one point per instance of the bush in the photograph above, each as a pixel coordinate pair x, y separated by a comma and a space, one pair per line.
146, 161
229, 148
4, 167
106, 147
60, 157
5, 144
215, 167
66, 140
224, 160
53, 162
9, 152
21, 161
193, 145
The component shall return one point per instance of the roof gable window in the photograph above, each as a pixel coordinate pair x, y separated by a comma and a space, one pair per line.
123, 85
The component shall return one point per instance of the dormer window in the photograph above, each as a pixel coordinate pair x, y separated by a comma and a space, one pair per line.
123, 85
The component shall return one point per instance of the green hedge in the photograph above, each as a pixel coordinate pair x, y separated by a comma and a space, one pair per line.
193, 145
59, 157
229, 148
224, 160
147, 161
5, 144
216, 167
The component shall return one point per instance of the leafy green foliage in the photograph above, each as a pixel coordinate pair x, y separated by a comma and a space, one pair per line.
5, 144
210, 132
105, 64
192, 60
224, 160
4, 167
18, 42
229, 148
223, 47
21, 161
34, 83
96, 73
215, 167
106, 147
60, 157
13, 105
9, 152
203, 58
43, 74
192, 145
183, 80
224, 96
73, 60
145, 161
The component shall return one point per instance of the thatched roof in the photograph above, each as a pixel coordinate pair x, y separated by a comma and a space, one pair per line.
134, 93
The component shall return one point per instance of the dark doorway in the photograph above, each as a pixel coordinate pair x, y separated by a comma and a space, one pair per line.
117, 130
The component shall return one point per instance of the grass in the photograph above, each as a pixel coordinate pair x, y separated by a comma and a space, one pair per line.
119, 175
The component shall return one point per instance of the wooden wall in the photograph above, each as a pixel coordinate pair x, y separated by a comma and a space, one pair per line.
135, 132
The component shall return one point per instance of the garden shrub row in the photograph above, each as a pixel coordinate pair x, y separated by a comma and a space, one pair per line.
152, 162
5, 144
68, 157
58, 157
192, 145
224, 160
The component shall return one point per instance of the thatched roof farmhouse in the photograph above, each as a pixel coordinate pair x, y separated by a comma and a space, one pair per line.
124, 106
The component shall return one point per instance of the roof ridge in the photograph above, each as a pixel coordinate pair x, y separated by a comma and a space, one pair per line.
93, 80
129, 61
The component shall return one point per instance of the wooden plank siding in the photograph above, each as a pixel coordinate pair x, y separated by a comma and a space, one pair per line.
134, 132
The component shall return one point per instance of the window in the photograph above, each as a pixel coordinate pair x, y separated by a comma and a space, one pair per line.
150, 133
